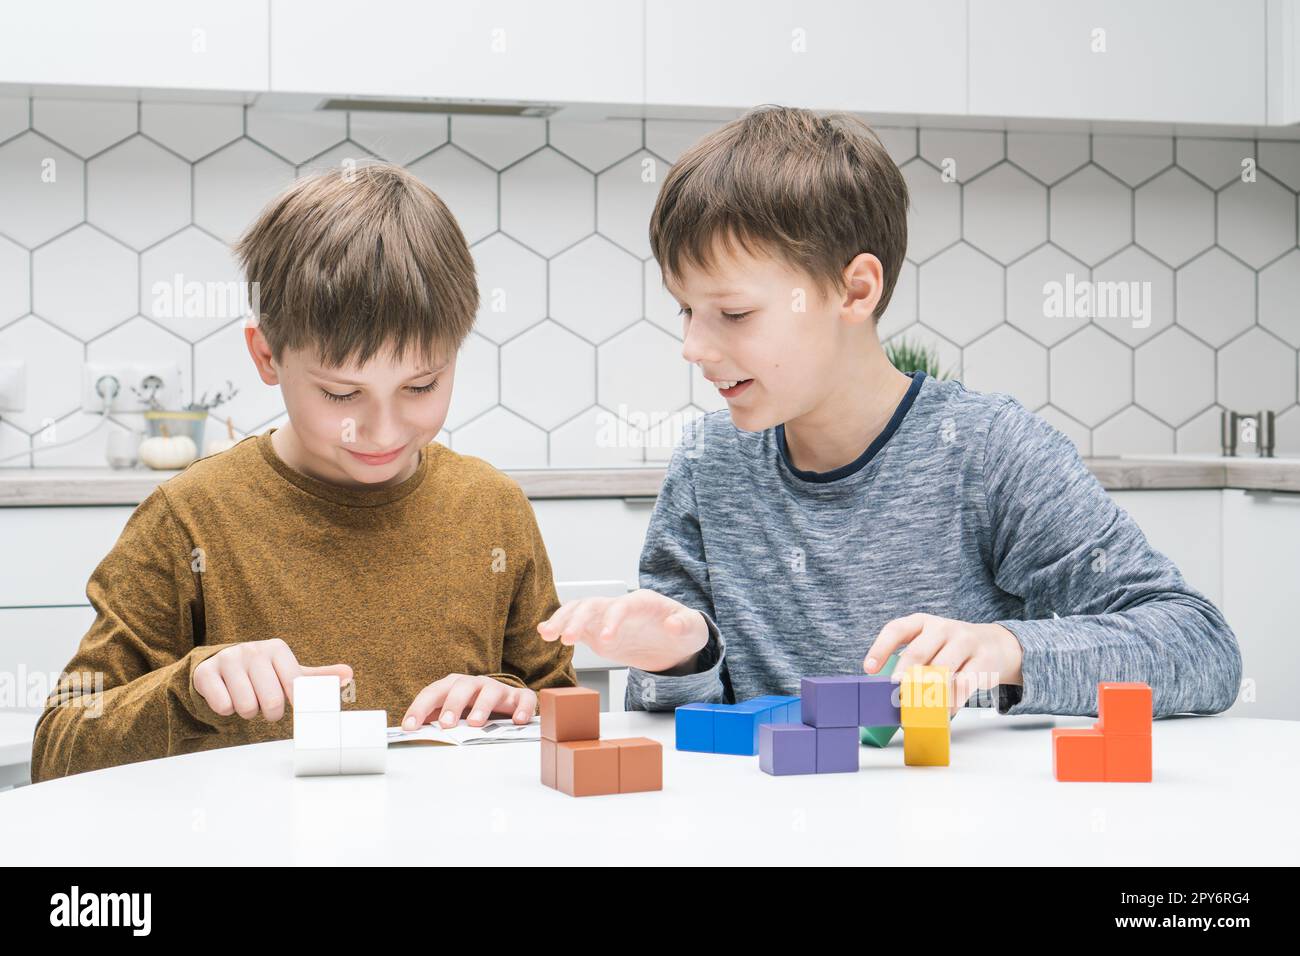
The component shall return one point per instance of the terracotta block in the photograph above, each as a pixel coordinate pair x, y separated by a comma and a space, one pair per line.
640, 764
1123, 708
548, 762
570, 713
1078, 755
586, 768
1128, 758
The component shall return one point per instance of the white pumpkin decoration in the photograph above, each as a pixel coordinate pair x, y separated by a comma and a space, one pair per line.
165, 452
215, 445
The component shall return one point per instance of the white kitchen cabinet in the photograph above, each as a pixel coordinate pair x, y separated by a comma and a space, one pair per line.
48, 554
36, 644
1283, 62
1261, 598
1169, 61
562, 50
594, 539
190, 45
869, 56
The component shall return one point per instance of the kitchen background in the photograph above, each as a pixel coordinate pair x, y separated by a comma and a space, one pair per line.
109, 210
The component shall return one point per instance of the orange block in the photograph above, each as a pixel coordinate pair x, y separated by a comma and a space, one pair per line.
570, 713
548, 762
1123, 708
1128, 758
586, 768
1078, 755
640, 764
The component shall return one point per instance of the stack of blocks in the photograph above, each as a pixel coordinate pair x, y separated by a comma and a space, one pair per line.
327, 740
834, 708
1117, 748
732, 728
575, 759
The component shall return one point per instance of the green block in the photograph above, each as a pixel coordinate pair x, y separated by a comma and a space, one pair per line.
880, 736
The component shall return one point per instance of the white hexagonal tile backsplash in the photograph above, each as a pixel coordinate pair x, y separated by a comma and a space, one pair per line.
1125, 287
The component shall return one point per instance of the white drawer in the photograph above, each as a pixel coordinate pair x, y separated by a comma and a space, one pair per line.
48, 554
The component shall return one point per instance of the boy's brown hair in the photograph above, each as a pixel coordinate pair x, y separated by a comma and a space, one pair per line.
812, 191
358, 260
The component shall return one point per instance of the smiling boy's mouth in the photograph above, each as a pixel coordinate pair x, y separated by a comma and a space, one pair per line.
730, 388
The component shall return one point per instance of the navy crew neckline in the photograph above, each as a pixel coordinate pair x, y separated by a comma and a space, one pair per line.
860, 462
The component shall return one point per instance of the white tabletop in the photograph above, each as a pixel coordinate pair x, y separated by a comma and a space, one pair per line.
1224, 793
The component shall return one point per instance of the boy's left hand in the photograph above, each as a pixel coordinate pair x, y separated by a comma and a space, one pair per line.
483, 696
979, 656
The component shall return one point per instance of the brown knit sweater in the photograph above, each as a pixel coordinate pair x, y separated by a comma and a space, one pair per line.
443, 573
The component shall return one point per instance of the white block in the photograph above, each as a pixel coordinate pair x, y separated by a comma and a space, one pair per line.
363, 741
316, 731
315, 763
316, 695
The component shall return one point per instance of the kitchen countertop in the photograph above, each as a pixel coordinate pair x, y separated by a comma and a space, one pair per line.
104, 486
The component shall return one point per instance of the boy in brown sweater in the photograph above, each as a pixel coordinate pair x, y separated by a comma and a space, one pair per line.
346, 542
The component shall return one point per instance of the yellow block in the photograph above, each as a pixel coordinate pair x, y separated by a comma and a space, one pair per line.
925, 746
925, 697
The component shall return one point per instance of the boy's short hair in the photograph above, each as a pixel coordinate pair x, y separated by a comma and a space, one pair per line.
812, 191
358, 260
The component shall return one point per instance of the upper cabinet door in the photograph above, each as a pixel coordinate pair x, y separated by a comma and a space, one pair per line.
866, 56
560, 50
190, 45
1171, 61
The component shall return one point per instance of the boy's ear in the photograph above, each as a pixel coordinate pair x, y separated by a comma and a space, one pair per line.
864, 283
261, 353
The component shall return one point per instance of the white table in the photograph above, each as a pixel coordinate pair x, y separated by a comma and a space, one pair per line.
1224, 793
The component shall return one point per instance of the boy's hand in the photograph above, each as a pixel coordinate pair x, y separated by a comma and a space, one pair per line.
980, 656
643, 629
256, 677
455, 692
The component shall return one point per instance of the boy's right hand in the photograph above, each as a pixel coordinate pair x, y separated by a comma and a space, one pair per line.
643, 629
256, 677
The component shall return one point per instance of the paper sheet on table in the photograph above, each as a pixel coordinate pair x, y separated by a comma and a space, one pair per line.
502, 731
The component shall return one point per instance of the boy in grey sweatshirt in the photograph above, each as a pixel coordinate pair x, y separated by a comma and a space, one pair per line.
840, 510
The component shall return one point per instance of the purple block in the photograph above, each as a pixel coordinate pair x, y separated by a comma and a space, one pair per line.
878, 702
829, 701
787, 748
837, 749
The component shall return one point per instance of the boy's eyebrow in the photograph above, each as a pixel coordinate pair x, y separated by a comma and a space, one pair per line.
321, 373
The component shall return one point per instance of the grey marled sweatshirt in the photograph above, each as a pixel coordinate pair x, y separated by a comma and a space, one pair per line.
967, 506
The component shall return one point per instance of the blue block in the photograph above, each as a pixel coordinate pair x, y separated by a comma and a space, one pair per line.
735, 728
794, 711
780, 708
695, 727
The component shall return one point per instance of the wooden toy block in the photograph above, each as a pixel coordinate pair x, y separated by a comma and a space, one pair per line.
787, 749
1123, 708
548, 761
316, 740
735, 726
363, 741
837, 749
1078, 755
878, 696
695, 727
780, 708
570, 713
312, 695
878, 736
829, 701
1128, 757
926, 746
586, 768
925, 698
640, 764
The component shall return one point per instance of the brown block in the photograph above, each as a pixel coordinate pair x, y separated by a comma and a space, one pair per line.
548, 762
640, 764
570, 713
586, 768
